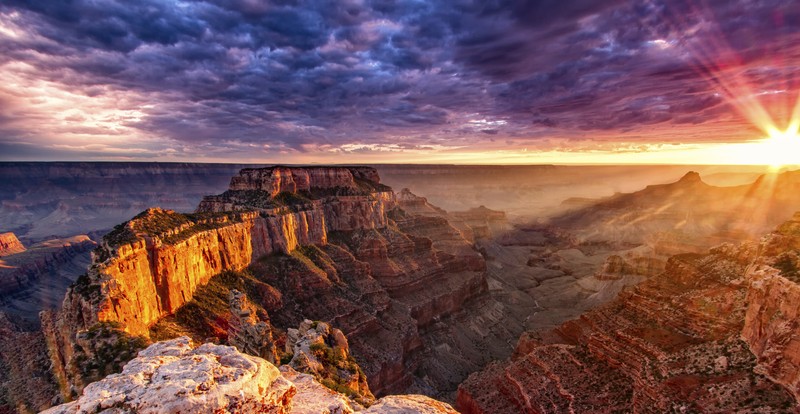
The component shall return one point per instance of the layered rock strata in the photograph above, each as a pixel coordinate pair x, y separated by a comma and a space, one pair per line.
9, 244
714, 332
21, 268
688, 215
304, 243
324, 352
248, 331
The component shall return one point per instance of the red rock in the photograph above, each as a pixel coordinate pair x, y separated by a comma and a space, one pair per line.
714, 332
9, 244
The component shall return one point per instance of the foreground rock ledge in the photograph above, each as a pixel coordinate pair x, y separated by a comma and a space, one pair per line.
173, 376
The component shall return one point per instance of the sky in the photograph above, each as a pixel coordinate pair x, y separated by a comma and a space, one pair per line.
400, 81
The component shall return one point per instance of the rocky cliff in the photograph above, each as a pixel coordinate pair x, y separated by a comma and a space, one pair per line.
325, 244
713, 333
9, 244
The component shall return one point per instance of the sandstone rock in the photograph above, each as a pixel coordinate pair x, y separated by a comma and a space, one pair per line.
380, 282
324, 352
247, 331
275, 180
172, 376
9, 244
314, 398
409, 404
350, 198
713, 332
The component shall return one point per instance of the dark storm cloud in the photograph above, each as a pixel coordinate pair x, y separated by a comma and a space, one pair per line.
308, 73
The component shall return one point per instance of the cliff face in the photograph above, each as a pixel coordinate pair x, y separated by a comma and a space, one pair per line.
145, 279
772, 322
276, 180
713, 332
349, 198
305, 243
9, 244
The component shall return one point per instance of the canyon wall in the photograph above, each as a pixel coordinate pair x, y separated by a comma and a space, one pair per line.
772, 322
714, 332
386, 278
21, 268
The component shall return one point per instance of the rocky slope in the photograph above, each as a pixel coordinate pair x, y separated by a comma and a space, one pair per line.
713, 333
325, 244
21, 269
174, 376
26, 385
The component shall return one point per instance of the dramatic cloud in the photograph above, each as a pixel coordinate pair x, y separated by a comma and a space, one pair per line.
387, 80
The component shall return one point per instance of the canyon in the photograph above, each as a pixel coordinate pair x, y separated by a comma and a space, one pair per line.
394, 294
713, 332
328, 244
35, 278
41, 200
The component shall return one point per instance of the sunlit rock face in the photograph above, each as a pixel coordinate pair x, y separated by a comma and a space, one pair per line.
176, 377
9, 244
327, 244
714, 332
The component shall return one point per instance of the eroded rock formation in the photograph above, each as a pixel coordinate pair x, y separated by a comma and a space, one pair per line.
322, 351
173, 376
9, 244
325, 244
249, 331
714, 332
687, 215
20, 267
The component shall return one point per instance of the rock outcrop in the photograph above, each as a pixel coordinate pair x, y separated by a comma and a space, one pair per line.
248, 331
349, 198
714, 332
173, 376
323, 352
9, 244
325, 244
